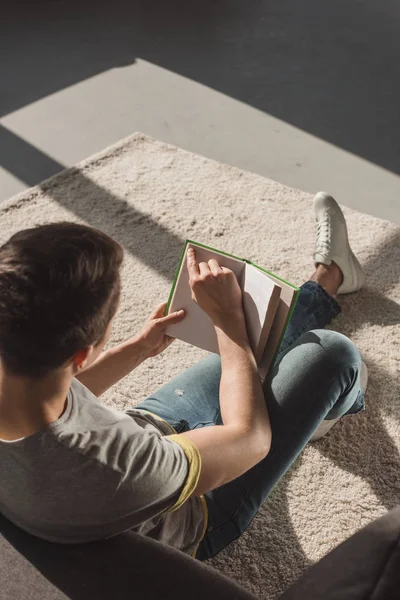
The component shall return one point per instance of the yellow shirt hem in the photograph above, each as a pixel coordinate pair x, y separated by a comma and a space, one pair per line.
192, 477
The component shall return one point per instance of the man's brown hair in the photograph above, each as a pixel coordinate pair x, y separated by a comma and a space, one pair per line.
59, 289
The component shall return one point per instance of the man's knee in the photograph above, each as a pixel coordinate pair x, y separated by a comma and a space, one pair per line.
339, 349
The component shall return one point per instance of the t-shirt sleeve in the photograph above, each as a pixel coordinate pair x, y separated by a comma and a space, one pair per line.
158, 473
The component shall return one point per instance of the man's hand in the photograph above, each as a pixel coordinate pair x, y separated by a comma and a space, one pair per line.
152, 338
215, 289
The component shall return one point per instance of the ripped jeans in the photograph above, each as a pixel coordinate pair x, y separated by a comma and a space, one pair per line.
316, 376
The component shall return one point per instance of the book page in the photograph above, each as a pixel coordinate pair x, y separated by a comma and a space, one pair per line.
197, 328
288, 297
260, 301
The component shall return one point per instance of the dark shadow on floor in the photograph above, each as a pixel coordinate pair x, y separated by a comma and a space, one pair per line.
330, 69
373, 307
138, 232
23, 160
372, 455
361, 444
270, 536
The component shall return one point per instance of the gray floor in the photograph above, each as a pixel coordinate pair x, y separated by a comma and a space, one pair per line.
307, 93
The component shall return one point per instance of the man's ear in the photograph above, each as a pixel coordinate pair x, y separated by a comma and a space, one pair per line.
80, 359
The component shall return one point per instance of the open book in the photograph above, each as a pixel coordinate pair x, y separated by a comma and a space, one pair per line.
268, 303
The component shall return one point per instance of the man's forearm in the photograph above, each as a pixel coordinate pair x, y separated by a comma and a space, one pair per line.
241, 396
112, 365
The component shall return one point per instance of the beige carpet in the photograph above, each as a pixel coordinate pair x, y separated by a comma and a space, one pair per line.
150, 197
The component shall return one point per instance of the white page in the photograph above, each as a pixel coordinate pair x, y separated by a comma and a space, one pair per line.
258, 289
286, 300
197, 328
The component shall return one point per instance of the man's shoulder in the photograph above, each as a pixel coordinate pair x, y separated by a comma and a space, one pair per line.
95, 431
87, 412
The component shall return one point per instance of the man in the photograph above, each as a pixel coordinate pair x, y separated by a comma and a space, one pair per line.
189, 469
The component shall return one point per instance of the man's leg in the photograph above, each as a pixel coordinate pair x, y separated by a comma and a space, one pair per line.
317, 377
191, 399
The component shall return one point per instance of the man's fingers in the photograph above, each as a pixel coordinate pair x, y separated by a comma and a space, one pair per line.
158, 311
204, 268
192, 263
172, 318
214, 266
226, 270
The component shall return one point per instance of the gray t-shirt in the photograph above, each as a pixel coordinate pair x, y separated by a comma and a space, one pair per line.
97, 472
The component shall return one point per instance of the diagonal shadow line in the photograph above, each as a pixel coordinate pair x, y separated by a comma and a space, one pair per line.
361, 444
373, 308
373, 456
138, 232
293, 49
23, 160
270, 536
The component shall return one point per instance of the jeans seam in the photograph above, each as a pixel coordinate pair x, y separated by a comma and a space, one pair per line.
313, 286
229, 519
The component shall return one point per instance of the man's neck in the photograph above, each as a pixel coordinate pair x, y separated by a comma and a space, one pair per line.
28, 405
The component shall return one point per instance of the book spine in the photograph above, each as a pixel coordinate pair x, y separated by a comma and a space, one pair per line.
175, 278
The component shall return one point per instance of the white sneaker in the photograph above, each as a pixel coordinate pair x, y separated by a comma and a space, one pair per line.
333, 243
326, 426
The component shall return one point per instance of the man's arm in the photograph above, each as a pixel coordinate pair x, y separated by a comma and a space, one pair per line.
229, 450
114, 364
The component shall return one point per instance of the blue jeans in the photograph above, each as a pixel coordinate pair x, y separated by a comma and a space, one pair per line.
316, 376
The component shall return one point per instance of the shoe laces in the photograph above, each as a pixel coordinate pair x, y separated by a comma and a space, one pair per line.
323, 245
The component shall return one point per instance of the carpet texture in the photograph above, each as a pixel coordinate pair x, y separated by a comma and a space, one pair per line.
150, 197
